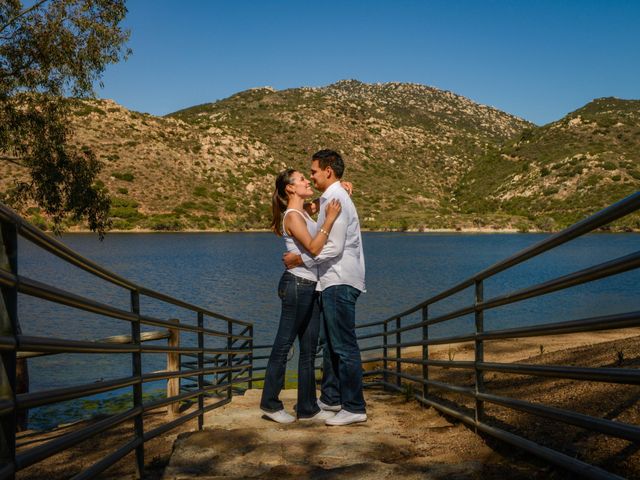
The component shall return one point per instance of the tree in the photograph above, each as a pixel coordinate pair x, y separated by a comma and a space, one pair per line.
48, 51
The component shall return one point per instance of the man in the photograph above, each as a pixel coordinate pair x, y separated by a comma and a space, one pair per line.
341, 280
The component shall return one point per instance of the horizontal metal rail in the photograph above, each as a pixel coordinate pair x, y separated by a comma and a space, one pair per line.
614, 212
57, 248
474, 383
236, 352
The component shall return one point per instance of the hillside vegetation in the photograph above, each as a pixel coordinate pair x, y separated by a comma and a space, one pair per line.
557, 174
420, 158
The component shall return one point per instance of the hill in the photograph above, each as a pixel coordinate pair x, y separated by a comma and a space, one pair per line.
406, 145
554, 175
419, 158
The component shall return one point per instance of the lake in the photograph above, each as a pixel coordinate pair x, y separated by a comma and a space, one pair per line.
236, 274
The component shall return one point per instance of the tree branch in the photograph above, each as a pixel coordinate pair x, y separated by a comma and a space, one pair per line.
22, 14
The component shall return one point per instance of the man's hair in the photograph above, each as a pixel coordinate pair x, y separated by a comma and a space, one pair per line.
329, 158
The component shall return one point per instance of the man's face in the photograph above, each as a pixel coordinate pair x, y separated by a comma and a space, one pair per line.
319, 176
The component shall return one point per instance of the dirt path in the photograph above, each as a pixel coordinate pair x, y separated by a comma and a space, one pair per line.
400, 440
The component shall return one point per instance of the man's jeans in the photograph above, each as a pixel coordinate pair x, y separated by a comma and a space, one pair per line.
342, 366
299, 317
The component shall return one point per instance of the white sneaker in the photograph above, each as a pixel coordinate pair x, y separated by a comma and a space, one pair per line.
346, 418
321, 416
329, 408
281, 416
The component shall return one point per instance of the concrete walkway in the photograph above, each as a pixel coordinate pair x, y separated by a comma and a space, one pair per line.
400, 440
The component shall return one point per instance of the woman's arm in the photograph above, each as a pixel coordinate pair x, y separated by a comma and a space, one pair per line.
297, 228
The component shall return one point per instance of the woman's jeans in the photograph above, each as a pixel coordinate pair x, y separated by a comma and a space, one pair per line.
299, 318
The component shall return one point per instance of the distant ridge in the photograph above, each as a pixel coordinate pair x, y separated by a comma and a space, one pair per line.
420, 158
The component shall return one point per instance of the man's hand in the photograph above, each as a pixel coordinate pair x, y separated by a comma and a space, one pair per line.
291, 260
312, 207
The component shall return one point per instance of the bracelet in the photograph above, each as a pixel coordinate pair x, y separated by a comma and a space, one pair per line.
322, 230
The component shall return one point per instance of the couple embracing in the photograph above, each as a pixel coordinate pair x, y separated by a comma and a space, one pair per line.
319, 289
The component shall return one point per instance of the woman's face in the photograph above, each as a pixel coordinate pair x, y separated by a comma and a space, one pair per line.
301, 186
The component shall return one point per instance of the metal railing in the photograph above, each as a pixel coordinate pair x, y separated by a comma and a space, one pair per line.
391, 375
235, 363
231, 366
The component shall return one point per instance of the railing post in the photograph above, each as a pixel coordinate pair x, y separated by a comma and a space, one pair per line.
9, 317
398, 352
250, 385
173, 364
479, 353
425, 352
136, 361
200, 368
229, 357
385, 355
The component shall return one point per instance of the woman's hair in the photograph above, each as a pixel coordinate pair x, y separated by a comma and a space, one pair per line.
280, 199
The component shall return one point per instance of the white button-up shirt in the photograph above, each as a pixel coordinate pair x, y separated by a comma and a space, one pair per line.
341, 261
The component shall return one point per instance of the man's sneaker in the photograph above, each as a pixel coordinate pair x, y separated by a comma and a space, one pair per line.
321, 416
329, 408
280, 416
346, 418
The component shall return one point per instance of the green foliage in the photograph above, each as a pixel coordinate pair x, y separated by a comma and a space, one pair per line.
125, 176
82, 109
200, 191
124, 202
163, 222
46, 50
125, 209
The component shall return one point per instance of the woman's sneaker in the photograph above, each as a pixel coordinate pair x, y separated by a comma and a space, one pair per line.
321, 416
346, 418
280, 416
329, 408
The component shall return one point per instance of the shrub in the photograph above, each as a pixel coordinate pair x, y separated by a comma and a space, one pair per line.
39, 221
609, 166
522, 226
123, 202
125, 213
200, 191
126, 176
592, 180
231, 205
546, 224
165, 223
123, 191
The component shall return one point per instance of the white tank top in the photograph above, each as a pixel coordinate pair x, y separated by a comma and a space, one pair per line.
295, 246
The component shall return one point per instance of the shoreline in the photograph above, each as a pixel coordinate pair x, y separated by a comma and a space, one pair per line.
515, 350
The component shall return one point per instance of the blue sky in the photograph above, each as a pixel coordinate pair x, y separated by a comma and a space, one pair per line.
536, 59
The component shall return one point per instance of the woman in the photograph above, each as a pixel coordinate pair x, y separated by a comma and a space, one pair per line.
297, 290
